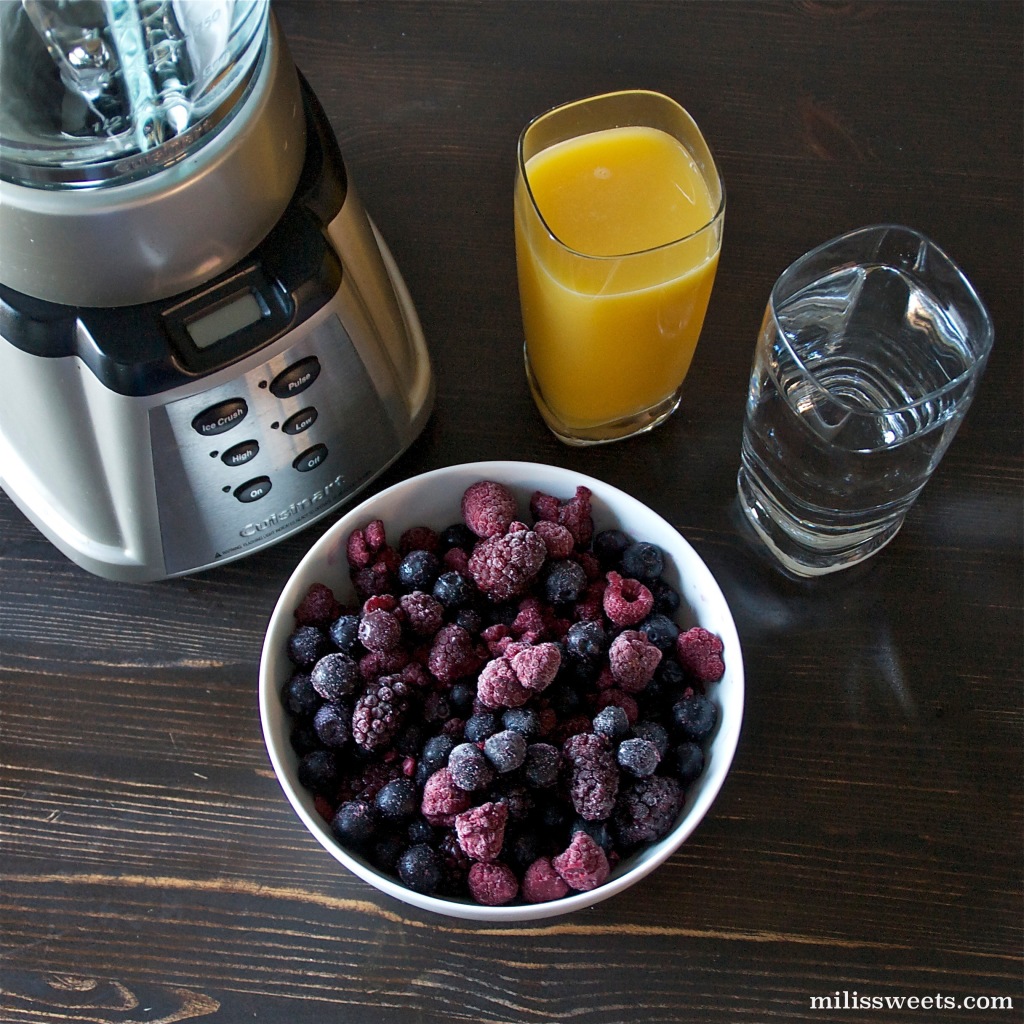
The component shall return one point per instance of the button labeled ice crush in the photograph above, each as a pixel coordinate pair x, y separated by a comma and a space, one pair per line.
302, 420
253, 490
220, 417
240, 454
296, 378
311, 458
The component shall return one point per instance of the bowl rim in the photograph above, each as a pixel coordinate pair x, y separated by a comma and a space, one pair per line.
326, 550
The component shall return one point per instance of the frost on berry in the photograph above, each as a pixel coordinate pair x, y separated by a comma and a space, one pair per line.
442, 799
498, 686
542, 883
379, 713
492, 883
557, 539
626, 601
489, 508
504, 566
584, 865
453, 654
647, 809
536, 667
481, 830
700, 652
595, 775
318, 607
633, 659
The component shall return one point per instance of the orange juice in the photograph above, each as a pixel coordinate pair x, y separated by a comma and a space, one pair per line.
615, 273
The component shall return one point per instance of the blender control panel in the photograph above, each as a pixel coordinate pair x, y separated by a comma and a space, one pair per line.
242, 463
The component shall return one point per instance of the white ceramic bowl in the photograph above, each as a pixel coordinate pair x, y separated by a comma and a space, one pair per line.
433, 499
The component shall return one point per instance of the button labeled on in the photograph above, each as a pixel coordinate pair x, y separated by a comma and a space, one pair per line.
240, 454
253, 490
220, 417
296, 378
302, 420
311, 458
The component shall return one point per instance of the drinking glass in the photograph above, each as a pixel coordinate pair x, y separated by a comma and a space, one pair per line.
619, 210
870, 352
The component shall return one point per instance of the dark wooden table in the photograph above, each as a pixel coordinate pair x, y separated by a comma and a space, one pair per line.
868, 839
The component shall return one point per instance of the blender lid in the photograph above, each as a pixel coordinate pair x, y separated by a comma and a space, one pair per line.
99, 92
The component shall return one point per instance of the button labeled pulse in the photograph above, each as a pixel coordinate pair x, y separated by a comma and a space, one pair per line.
296, 378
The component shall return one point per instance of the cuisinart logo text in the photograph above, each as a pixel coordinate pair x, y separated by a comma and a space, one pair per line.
295, 510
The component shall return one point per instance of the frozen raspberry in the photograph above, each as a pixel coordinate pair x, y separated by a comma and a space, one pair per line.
378, 578
380, 631
498, 686
375, 664
442, 799
481, 830
418, 538
557, 538
318, 608
537, 666
626, 601
633, 659
647, 810
453, 654
700, 652
542, 883
584, 865
379, 713
424, 614
575, 515
503, 566
364, 545
492, 884
488, 508
456, 560
595, 775
590, 606
544, 507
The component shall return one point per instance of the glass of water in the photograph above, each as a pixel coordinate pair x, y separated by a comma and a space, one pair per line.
870, 352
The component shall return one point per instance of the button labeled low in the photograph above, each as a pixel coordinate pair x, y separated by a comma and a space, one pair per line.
302, 420
254, 489
311, 458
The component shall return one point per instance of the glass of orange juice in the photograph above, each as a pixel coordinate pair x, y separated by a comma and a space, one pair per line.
619, 210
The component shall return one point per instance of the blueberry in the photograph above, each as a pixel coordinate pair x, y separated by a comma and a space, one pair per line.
609, 546
303, 737
306, 646
479, 726
540, 768
689, 761
461, 697
660, 630
671, 676
410, 740
565, 581
523, 721
458, 535
643, 561
638, 757
355, 823
344, 632
318, 771
420, 831
419, 570
397, 800
333, 724
298, 695
612, 722
597, 830
695, 717
655, 732
436, 750
470, 768
506, 750
666, 599
420, 868
469, 619
386, 853
586, 641
335, 676
453, 590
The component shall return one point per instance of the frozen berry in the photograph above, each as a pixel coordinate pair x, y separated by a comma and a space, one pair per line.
595, 775
611, 722
453, 654
633, 659
458, 535
524, 721
442, 799
344, 632
609, 545
299, 696
335, 676
643, 561
498, 686
397, 800
695, 717
689, 761
660, 630
638, 757
379, 713
666, 598
584, 865
586, 641
380, 631
436, 750
418, 538
481, 830
626, 601
419, 570
655, 733
504, 565
318, 608
536, 666
470, 770
557, 539
564, 583
355, 823
318, 771
541, 765
488, 508
306, 646
492, 883
542, 883
424, 614
453, 590
506, 750
646, 810
420, 868
700, 652
333, 724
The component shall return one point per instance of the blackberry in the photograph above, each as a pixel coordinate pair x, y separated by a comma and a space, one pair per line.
646, 810
398, 800
379, 712
541, 765
595, 775
638, 757
470, 769
689, 761
453, 590
418, 570
299, 696
611, 722
335, 676
333, 725
694, 717
421, 869
479, 726
609, 546
586, 641
344, 632
506, 750
643, 561
355, 823
318, 771
523, 721
306, 646
660, 630
565, 582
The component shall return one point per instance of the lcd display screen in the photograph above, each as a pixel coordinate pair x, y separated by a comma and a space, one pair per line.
228, 318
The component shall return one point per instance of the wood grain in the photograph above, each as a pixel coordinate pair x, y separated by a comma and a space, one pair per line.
868, 836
